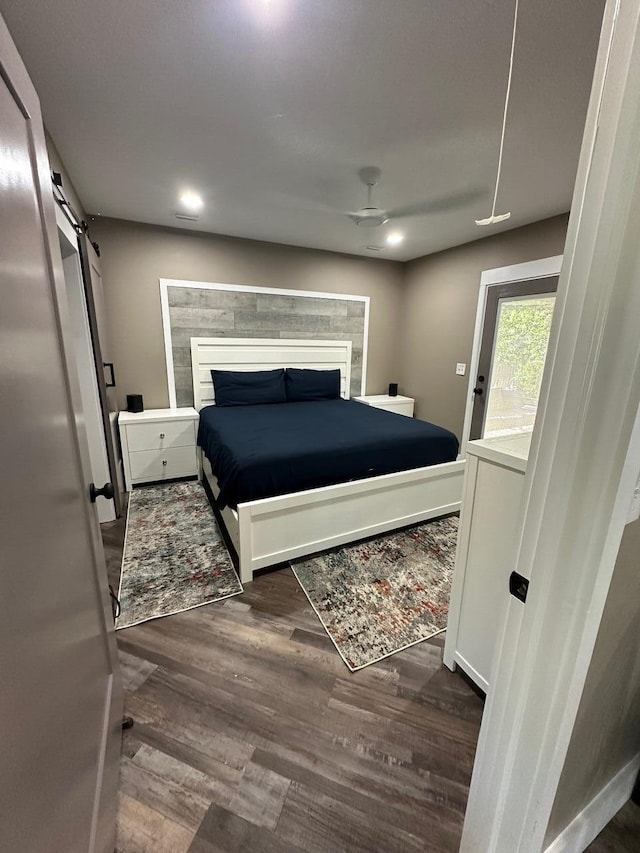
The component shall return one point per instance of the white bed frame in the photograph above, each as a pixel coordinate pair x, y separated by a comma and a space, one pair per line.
273, 530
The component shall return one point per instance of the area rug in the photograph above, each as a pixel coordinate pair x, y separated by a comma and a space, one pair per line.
174, 556
377, 597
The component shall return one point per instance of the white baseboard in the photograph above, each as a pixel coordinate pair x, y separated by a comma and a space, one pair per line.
597, 814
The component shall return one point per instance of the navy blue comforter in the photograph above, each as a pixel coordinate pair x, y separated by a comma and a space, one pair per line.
267, 450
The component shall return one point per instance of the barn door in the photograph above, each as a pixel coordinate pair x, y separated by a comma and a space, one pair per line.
106, 373
60, 702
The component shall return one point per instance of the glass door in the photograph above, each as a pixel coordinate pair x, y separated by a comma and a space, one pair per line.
513, 351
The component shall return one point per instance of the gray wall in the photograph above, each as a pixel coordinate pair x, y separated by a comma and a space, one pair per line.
135, 256
606, 735
441, 296
199, 312
422, 313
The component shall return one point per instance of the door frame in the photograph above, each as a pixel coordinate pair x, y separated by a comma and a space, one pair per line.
579, 485
542, 268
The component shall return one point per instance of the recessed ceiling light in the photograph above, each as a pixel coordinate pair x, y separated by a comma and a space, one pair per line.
395, 238
191, 200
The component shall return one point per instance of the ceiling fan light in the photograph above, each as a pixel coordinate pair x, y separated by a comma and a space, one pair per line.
372, 218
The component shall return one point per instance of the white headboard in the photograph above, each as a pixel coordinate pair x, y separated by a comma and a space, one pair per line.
209, 354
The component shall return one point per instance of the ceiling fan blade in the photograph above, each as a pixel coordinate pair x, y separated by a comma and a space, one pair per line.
438, 205
306, 205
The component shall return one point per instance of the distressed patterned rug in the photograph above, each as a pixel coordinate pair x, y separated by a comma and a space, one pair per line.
378, 597
174, 557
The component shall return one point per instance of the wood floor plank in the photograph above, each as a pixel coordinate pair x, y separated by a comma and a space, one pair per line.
256, 686
315, 823
195, 727
134, 671
143, 830
365, 796
222, 831
217, 768
622, 834
261, 795
172, 787
130, 744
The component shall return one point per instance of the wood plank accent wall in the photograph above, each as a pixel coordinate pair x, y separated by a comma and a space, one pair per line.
205, 312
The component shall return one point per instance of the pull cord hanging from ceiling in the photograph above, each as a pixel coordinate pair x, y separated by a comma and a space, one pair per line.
493, 219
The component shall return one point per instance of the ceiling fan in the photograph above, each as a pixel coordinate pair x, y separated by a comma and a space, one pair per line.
371, 216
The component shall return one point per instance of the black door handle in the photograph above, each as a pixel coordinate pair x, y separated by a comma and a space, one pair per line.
477, 391
107, 491
518, 586
109, 364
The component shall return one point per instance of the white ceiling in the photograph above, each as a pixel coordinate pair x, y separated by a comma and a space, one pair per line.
268, 108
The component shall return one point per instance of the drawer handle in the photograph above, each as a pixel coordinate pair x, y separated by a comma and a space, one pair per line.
161, 435
164, 461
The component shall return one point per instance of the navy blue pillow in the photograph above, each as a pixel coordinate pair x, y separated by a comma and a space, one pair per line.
248, 387
312, 384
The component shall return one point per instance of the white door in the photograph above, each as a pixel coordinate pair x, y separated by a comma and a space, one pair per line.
579, 484
105, 369
60, 702
87, 377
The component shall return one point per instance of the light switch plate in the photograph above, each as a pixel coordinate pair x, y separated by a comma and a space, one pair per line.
461, 369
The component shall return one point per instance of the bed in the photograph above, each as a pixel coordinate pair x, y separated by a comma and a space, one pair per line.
293, 478
264, 451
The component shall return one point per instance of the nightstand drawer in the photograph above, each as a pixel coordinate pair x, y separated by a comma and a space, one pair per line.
400, 408
400, 405
163, 464
159, 435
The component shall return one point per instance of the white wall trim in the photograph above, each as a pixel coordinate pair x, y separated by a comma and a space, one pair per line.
365, 346
251, 288
596, 815
168, 346
542, 268
165, 283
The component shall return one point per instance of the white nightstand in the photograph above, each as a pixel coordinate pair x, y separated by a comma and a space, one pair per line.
159, 444
400, 405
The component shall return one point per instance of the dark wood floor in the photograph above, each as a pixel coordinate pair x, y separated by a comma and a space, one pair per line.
251, 735
622, 835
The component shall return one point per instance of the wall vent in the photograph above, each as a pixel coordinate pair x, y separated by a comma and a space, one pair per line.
189, 217
375, 248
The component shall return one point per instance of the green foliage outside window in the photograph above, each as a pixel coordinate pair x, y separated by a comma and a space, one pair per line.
521, 345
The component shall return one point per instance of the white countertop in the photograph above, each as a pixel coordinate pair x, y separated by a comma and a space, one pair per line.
509, 450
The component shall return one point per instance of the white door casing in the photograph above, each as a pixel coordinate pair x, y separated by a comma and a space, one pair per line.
583, 467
